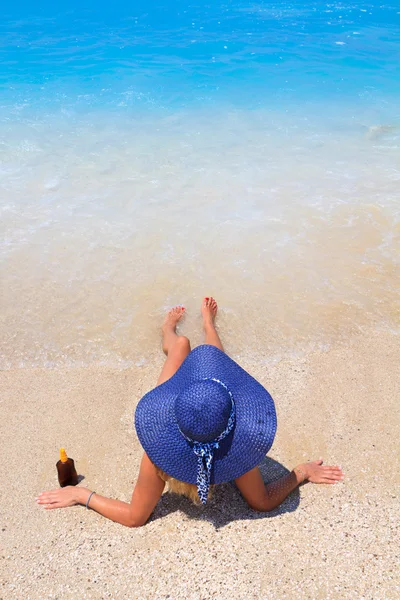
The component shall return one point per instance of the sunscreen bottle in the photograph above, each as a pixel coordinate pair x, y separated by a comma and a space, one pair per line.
67, 474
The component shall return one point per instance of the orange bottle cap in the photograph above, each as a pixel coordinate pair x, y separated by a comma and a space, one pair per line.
63, 455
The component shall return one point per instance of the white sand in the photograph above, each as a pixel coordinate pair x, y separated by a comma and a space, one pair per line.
325, 542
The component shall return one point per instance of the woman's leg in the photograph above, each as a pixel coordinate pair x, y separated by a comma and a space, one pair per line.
175, 346
209, 311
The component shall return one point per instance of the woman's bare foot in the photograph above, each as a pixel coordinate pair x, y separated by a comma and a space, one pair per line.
209, 310
169, 326
173, 316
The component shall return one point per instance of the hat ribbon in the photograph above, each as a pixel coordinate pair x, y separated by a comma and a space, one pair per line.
205, 451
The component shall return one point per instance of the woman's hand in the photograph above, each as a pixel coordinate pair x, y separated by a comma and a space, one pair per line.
62, 497
316, 473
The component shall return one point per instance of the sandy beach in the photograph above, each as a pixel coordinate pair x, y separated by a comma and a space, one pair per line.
324, 542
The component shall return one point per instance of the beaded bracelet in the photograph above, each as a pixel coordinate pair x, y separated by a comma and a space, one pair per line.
301, 472
88, 500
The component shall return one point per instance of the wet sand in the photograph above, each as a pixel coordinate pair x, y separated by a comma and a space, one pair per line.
99, 244
324, 541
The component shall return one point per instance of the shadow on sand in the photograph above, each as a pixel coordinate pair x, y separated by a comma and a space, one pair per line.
227, 504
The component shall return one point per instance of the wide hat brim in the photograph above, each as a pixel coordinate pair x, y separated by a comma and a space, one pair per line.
242, 450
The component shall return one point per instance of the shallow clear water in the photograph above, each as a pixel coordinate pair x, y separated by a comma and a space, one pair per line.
153, 155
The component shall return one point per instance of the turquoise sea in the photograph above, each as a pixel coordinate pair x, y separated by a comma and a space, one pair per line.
154, 153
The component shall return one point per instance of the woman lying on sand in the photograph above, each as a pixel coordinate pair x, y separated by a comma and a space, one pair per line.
207, 422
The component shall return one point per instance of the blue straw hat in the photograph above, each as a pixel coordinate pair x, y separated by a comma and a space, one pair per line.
209, 423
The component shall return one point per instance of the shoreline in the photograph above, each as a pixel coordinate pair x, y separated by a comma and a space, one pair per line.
324, 542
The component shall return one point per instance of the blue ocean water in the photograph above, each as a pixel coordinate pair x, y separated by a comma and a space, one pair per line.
175, 54
154, 152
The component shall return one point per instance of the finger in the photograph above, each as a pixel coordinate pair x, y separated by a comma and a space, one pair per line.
54, 505
47, 501
48, 492
330, 475
335, 477
46, 497
43, 498
318, 462
321, 480
330, 471
330, 480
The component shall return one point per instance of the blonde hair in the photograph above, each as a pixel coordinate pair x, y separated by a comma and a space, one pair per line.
180, 487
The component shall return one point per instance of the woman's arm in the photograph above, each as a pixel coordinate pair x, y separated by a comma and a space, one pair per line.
146, 494
267, 497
